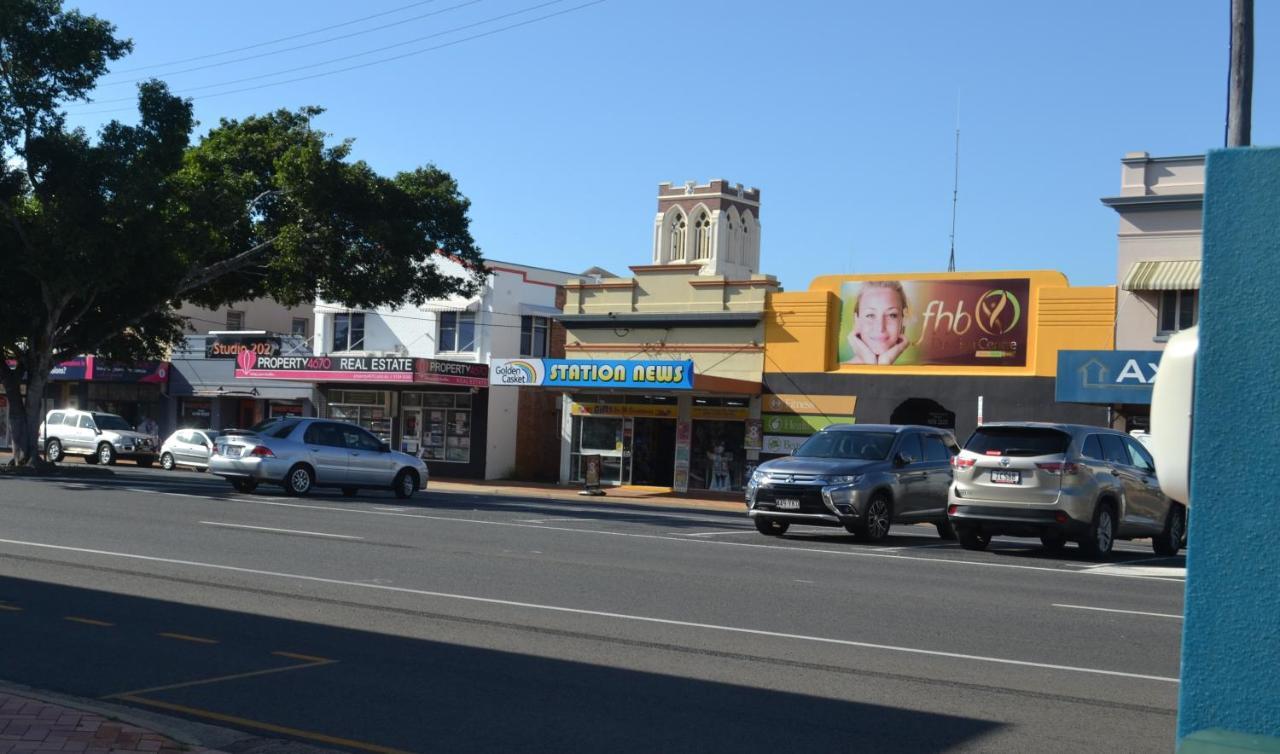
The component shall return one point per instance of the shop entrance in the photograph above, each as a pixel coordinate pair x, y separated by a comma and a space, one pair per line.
925, 411
653, 449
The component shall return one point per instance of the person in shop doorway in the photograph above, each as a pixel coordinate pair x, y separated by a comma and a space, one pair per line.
149, 428
720, 462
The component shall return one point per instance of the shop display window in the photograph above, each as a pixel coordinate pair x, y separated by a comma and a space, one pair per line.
366, 408
718, 460
195, 413
436, 426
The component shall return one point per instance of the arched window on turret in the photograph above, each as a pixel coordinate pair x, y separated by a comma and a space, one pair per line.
702, 236
676, 231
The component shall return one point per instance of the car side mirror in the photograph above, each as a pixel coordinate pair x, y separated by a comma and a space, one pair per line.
900, 460
97, 431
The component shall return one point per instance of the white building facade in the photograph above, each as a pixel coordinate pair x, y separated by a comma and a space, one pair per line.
444, 412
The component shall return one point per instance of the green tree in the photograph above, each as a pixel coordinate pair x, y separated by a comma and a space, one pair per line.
102, 238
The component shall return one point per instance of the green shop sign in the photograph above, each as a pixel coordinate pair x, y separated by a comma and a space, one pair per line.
793, 424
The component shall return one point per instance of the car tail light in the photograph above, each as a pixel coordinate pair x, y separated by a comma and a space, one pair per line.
1060, 517
262, 451
1058, 467
962, 463
951, 509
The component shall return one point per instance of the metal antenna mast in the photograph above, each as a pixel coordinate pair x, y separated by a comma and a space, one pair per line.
955, 195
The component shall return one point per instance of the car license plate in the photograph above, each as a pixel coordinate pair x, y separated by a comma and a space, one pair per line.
232, 452
787, 503
1000, 476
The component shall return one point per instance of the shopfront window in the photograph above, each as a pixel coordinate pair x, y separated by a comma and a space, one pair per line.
366, 408
195, 413
436, 426
718, 460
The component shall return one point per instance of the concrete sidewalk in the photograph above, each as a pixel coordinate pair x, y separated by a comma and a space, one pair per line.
629, 495
38, 722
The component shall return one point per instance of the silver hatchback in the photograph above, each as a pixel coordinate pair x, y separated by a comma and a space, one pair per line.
301, 454
1061, 482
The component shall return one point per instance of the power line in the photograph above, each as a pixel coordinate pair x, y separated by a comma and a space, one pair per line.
374, 62
297, 47
273, 41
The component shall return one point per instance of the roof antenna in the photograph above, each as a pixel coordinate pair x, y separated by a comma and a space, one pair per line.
955, 190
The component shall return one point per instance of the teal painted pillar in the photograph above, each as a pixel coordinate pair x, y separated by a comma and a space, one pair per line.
1231, 636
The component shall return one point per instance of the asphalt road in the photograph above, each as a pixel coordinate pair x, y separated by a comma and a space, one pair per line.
458, 622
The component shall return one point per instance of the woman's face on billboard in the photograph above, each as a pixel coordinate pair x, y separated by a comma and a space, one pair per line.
880, 318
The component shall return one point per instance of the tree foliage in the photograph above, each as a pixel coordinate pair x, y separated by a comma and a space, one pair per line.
102, 238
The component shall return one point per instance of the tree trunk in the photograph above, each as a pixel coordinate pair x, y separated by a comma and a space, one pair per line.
26, 412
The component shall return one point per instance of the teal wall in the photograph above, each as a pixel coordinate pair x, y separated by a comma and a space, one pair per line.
1231, 637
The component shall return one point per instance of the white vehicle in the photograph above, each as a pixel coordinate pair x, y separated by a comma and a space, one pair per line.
100, 438
188, 447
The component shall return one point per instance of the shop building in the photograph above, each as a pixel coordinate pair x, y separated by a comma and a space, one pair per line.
417, 376
204, 392
1158, 249
949, 350
697, 312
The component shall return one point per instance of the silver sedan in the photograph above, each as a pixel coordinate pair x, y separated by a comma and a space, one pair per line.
302, 454
188, 447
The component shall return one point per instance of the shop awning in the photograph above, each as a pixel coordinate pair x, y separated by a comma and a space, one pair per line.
452, 304
1163, 275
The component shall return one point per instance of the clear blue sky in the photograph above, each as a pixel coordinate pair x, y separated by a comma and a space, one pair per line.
843, 114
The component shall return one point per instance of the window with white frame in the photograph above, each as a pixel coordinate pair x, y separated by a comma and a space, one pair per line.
235, 320
457, 331
348, 332
534, 333
702, 237
1178, 310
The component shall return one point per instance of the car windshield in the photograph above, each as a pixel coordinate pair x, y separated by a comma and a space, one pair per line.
857, 446
111, 421
1018, 441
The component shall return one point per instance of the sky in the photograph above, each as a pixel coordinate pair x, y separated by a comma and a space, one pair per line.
559, 119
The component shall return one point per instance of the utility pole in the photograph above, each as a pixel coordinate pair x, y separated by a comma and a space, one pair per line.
1240, 78
955, 190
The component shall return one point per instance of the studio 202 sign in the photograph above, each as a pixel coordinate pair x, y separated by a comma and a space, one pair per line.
934, 322
230, 346
606, 373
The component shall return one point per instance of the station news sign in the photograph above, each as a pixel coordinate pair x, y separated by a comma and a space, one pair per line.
598, 373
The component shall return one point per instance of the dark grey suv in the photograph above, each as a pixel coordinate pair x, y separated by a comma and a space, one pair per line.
860, 476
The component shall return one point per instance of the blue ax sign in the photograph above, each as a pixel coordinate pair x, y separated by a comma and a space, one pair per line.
1106, 376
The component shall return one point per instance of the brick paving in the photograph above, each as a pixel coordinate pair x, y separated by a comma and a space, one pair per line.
32, 726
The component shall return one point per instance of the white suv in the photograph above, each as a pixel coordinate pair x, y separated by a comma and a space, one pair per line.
100, 438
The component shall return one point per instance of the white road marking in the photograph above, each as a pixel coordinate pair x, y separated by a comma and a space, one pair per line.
711, 533
392, 510
284, 531
1119, 569
136, 489
604, 614
1114, 610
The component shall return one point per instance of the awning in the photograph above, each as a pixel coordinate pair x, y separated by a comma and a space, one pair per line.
1163, 275
452, 304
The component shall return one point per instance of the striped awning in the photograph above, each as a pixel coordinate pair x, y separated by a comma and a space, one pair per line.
1163, 275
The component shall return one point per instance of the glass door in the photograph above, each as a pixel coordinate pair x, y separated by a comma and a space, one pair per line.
411, 434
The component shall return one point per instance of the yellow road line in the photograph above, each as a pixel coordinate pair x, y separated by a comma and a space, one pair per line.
87, 621
306, 658
185, 637
270, 727
219, 679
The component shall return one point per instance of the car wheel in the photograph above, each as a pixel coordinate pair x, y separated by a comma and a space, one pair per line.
350, 491
972, 538
1101, 535
1168, 542
405, 484
166, 462
945, 529
91, 458
145, 462
106, 454
876, 520
1053, 542
53, 451
244, 485
299, 481
771, 528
